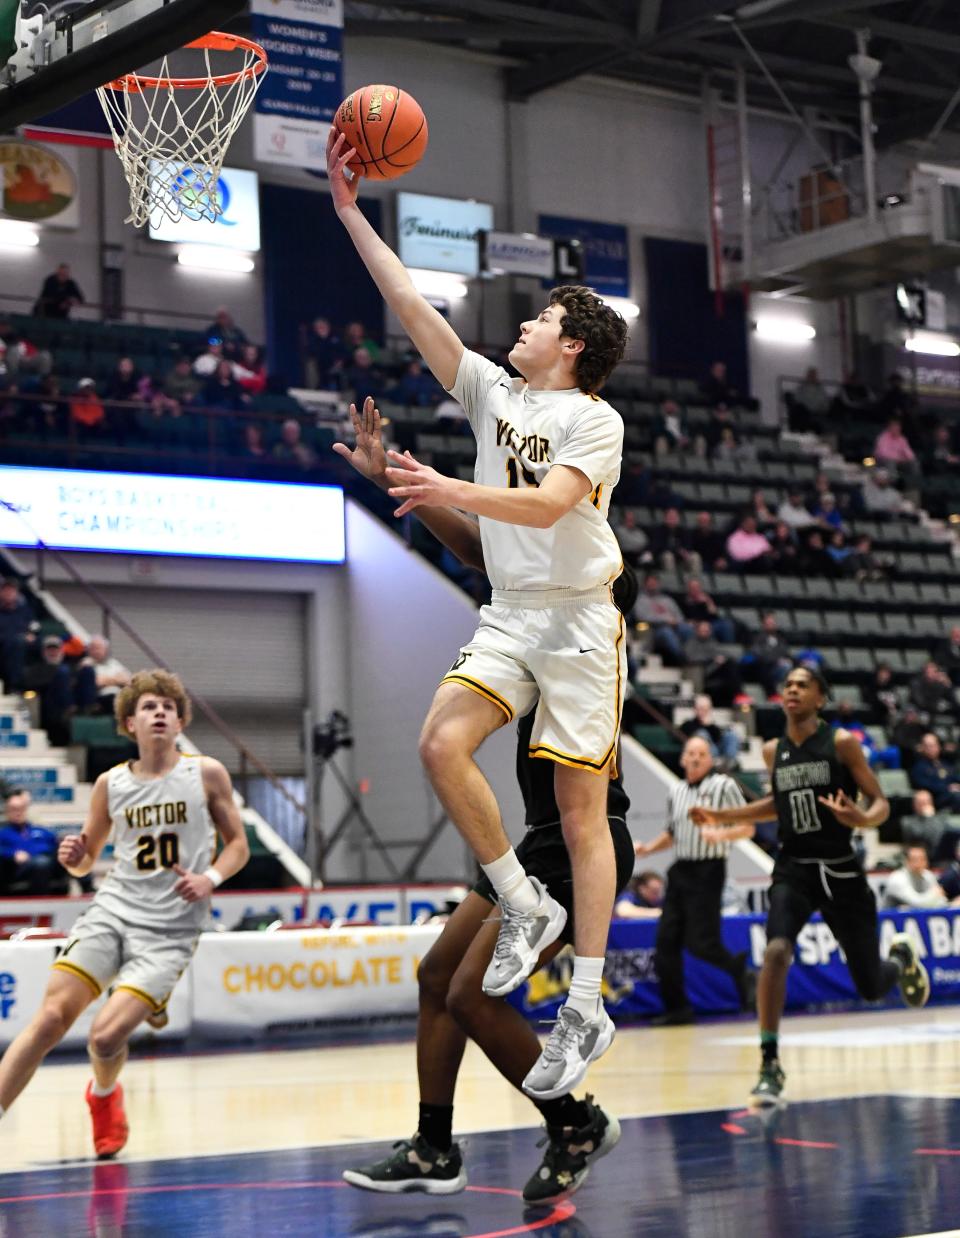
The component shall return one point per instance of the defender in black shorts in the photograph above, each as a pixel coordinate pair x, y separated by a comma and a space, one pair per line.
452, 1003
815, 776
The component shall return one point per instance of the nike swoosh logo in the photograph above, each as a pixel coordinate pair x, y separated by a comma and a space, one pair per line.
592, 649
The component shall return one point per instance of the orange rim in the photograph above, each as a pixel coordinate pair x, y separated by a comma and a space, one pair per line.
216, 41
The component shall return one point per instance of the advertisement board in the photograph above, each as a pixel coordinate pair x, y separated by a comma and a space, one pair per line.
238, 197
606, 251
148, 513
441, 234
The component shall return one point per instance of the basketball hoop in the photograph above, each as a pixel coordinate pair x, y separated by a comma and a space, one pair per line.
172, 133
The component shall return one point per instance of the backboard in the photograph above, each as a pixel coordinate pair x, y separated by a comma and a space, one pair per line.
65, 49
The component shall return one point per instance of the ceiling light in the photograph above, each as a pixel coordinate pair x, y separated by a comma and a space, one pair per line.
211, 258
22, 236
628, 309
785, 330
932, 344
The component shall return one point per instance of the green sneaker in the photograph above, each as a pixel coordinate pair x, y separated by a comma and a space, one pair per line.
914, 981
769, 1087
569, 1155
412, 1166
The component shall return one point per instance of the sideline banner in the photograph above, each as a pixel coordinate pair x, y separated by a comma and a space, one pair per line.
818, 978
379, 904
227, 910
254, 981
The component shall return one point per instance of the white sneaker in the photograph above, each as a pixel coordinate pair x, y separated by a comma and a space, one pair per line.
573, 1044
523, 935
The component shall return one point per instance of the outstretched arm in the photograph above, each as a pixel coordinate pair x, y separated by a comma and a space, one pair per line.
434, 338
453, 529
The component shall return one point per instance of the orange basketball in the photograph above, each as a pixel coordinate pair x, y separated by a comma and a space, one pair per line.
386, 127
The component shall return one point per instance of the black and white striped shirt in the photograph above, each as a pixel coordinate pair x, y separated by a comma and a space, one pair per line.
713, 791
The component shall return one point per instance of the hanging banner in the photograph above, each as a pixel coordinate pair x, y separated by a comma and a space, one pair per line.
441, 234
606, 251
303, 40
516, 253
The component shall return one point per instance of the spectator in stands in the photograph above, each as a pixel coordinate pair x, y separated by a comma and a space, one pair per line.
793, 511
224, 329
59, 294
769, 655
886, 757
947, 654
28, 854
250, 371
896, 401
60, 696
324, 355
932, 691
721, 419
643, 898
181, 383
254, 452
123, 382
721, 673
87, 412
222, 391
929, 827
813, 558
908, 732
708, 543
717, 389
839, 553
881, 695
632, 539
865, 563
913, 886
670, 429
205, 366
355, 336
46, 414
879, 496
762, 510
731, 450
950, 880
894, 451
668, 546
930, 773
362, 378
108, 673
665, 618
292, 449
826, 512
808, 404
724, 741
698, 606
20, 356
749, 549
940, 455
17, 621
417, 387
785, 548
854, 397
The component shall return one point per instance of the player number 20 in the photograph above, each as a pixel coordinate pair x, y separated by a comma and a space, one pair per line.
164, 850
803, 811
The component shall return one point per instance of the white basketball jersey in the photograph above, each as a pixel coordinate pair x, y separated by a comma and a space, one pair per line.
157, 823
520, 435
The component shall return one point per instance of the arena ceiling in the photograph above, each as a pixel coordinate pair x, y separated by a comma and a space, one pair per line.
798, 46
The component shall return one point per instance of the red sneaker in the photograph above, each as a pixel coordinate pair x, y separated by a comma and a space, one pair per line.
110, 1129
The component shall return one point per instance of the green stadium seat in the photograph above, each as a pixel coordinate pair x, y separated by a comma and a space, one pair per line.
98, 732
894, 782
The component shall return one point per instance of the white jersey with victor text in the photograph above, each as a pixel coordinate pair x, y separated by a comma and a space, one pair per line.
521, 434
157, 823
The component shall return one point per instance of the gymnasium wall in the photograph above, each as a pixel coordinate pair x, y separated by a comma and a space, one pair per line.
591, 149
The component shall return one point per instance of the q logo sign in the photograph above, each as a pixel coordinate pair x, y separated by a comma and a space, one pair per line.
198, 201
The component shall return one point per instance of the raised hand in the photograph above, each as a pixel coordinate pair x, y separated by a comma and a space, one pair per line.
844, 809
367, 455
339, 154
72, 849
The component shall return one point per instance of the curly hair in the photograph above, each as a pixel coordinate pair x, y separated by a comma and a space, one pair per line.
156, 682
603, 331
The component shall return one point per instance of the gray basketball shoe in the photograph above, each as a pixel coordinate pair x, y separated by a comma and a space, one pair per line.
523, 935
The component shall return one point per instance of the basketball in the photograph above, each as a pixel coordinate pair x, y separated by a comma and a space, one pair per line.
386, 127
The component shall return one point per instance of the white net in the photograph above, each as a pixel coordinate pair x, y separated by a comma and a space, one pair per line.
172, 140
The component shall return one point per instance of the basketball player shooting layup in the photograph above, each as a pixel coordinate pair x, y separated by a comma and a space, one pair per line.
141, 930
548, 456
815, 774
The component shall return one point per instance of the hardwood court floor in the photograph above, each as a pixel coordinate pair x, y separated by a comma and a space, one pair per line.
300, 1113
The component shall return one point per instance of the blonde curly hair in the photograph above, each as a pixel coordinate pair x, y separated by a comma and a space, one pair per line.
156, 682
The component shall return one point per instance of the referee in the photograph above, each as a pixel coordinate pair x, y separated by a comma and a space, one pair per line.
691, 910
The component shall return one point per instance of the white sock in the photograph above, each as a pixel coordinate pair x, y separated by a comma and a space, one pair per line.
511, 883
97, 1090
584, 996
